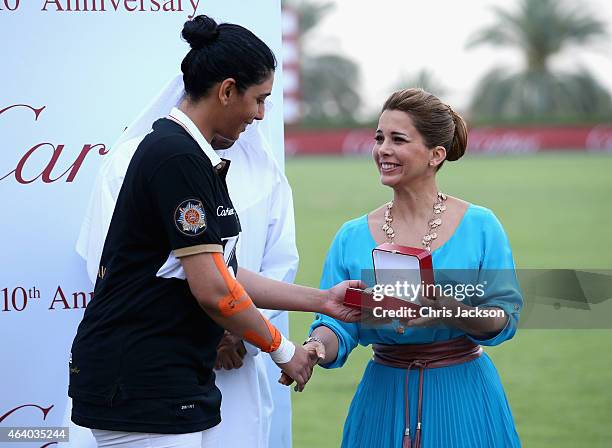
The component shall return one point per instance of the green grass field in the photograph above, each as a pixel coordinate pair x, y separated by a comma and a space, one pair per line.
556, 211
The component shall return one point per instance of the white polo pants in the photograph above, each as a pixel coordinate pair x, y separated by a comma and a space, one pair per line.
120, 439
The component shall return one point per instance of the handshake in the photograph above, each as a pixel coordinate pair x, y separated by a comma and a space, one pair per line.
300, 368
231, 351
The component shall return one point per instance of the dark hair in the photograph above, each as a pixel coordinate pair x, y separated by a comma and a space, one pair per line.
223, 51
438, 124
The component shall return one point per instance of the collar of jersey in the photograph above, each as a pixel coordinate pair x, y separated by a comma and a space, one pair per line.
195, 133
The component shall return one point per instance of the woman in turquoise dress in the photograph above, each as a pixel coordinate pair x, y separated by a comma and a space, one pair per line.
462, 404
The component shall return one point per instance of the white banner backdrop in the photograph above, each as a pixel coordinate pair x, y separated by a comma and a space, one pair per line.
73, 74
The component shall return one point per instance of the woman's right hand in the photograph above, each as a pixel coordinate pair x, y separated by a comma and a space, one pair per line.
299, 368
315, 348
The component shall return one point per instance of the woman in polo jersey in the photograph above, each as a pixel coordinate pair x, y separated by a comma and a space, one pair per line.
141, 372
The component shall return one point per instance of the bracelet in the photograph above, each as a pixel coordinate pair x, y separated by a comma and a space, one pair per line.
313, 339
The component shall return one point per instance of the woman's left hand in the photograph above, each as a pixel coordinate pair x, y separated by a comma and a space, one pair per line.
437, 305
451, 312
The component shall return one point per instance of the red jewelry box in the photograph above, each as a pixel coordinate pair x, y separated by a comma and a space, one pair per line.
394, 263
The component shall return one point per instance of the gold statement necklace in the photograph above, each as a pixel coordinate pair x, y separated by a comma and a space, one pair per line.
434, 222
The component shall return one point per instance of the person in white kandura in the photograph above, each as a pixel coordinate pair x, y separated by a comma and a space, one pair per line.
266, 246
247, 379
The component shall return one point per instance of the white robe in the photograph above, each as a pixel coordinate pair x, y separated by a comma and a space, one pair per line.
252, 398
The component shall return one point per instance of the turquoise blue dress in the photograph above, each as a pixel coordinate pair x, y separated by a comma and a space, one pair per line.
464, 405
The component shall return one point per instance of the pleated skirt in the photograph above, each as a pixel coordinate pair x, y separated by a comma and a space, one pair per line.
464, 406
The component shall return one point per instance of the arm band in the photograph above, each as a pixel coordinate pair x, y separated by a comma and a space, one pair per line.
238, 300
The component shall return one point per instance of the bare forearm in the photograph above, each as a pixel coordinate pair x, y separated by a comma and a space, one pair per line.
246, 324
226, 301
330, 341
275, 295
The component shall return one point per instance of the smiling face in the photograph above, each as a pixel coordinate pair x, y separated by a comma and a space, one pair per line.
399, 152
242, 108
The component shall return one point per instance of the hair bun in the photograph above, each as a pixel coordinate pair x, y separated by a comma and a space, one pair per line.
460, 138
200, 31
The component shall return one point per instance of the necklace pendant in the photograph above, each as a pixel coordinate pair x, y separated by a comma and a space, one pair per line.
435, 222
400, 329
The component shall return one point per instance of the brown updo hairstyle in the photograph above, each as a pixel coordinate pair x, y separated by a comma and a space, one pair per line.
437, 123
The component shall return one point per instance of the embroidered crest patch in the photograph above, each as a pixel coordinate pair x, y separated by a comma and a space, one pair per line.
189, 217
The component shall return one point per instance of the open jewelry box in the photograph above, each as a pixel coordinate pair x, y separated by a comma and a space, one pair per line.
406, 270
